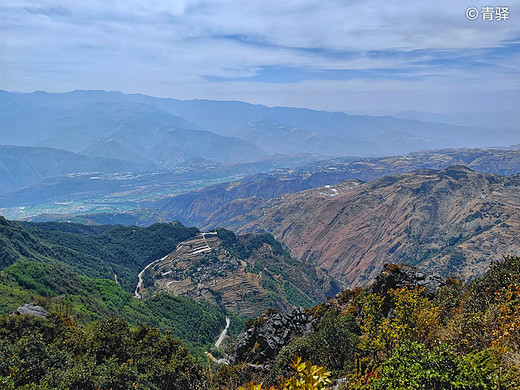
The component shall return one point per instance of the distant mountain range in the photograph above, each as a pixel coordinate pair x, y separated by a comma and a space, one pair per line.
491, 120
451, 221
99, 135
202, 207
22, 165
169, 131
98, 125
114, 192
441, 217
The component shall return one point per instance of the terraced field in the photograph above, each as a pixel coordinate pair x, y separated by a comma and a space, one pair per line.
204, 269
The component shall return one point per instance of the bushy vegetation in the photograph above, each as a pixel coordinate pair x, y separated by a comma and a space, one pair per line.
307, 377
69, 268
467, 337
333, 344
97, 299
54, 353
99, 337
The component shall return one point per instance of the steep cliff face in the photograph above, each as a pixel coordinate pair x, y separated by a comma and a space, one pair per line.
395, 276
267, 335
453, 221
398, 276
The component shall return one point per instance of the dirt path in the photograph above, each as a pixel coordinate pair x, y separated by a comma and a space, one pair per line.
223, 334
140, 284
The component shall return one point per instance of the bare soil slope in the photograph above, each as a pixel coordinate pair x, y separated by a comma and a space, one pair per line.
453, 221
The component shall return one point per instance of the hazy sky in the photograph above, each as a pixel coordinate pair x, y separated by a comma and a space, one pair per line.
373, 56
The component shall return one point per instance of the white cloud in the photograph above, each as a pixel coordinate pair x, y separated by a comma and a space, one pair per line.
167, 47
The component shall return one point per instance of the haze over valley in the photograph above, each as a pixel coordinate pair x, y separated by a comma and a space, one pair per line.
95, 150
105, 157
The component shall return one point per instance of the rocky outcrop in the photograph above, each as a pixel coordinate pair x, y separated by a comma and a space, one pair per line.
268, 334
264, 337
33, 310
396, 276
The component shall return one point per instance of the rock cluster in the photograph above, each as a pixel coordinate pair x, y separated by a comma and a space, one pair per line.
262, 341
396, 276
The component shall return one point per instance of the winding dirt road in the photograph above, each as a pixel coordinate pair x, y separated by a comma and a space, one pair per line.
137, 293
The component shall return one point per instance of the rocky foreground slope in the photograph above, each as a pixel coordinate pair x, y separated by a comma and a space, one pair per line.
408, 330
265, 336
453, 221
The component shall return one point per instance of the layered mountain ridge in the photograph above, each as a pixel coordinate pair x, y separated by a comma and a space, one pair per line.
226, 131
453, 221
225, 141
202, 206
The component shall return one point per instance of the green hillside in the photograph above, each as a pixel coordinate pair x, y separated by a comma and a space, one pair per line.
466, 337
92, 251
69, 269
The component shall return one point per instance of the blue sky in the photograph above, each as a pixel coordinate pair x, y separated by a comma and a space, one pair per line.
356, 56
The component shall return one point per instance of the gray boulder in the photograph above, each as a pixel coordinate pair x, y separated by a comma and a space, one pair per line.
33, 310
395, 276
